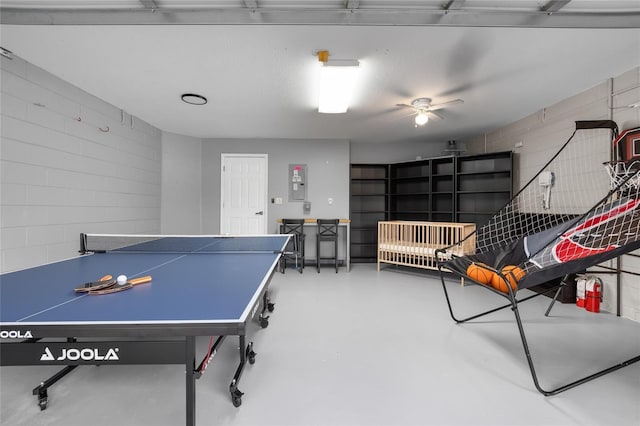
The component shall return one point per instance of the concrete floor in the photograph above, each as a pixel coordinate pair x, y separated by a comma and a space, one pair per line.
367, 348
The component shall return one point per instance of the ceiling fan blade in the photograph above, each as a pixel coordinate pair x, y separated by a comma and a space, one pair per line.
405, 106
442, 104
436, 114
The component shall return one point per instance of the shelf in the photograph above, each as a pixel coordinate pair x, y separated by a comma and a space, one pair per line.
409, 170
363, 236
409, 211
369, 171
484, 192
369, 188
411, 216
369, 179
448, 188
410, 187
476, 213
495, 172
410, 194
490, 162
484, 186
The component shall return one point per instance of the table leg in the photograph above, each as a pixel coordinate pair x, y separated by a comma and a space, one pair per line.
190, 373
348, 251
246, 353
41, 390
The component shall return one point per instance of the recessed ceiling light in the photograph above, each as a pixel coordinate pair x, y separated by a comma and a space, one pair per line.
194, 99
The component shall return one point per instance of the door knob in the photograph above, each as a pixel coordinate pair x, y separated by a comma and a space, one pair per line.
260, 213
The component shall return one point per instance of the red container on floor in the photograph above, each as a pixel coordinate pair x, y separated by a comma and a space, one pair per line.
593, 297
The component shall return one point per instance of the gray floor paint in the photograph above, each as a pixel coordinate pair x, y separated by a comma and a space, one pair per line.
367, 348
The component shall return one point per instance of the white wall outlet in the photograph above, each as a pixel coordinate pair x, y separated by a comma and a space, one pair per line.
330, 200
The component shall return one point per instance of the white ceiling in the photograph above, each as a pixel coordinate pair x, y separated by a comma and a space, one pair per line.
259, 78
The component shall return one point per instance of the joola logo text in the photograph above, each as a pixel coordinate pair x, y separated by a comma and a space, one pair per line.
86, 354
15, 334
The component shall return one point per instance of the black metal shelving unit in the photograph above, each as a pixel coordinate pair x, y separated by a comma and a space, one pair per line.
369, 205
441, 189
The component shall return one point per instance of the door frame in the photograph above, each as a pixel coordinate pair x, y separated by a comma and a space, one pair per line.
223, 157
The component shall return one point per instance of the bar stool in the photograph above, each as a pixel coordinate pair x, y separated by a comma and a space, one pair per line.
295, 247
327, 231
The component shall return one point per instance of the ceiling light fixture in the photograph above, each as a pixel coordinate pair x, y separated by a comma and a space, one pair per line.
337, 79
422, 118
193, 99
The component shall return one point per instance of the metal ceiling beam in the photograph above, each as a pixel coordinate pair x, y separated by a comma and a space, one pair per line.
149, 4
553, 6
6, 53
452, 17
453, 4
351, 4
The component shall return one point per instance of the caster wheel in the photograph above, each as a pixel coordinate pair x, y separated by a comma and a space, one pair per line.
264, 322
251, 355
43, 398
236, 400
236, 395
271, 307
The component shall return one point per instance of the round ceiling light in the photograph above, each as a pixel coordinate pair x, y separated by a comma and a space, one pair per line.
194, 99
422, 118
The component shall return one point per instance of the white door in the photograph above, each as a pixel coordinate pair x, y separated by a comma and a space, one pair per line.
243, 207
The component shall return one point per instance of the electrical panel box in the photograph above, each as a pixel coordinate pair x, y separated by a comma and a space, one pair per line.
297, 182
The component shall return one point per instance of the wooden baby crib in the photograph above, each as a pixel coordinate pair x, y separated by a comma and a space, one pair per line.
412, 243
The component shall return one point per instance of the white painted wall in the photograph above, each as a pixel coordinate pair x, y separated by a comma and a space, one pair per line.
62, 175
181, 184
327, 177
327, 167
542, 134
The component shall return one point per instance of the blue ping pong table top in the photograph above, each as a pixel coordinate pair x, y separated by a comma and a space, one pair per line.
200, 287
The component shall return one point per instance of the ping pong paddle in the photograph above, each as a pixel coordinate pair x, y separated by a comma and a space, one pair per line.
126, 286
104, 282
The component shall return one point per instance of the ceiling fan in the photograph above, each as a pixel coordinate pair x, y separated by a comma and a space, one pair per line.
423, 107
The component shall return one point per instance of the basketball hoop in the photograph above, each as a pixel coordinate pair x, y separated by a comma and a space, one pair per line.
624, 175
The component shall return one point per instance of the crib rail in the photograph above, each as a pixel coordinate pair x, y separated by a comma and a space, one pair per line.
412, 243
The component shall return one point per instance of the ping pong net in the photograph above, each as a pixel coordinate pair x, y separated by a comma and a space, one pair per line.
132, 243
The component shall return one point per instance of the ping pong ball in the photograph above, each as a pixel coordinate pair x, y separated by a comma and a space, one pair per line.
121, 280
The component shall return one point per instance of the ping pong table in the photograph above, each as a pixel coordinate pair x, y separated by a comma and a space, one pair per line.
201, 286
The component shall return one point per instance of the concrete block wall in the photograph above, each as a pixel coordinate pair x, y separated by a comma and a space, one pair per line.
535, 138
70, 163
